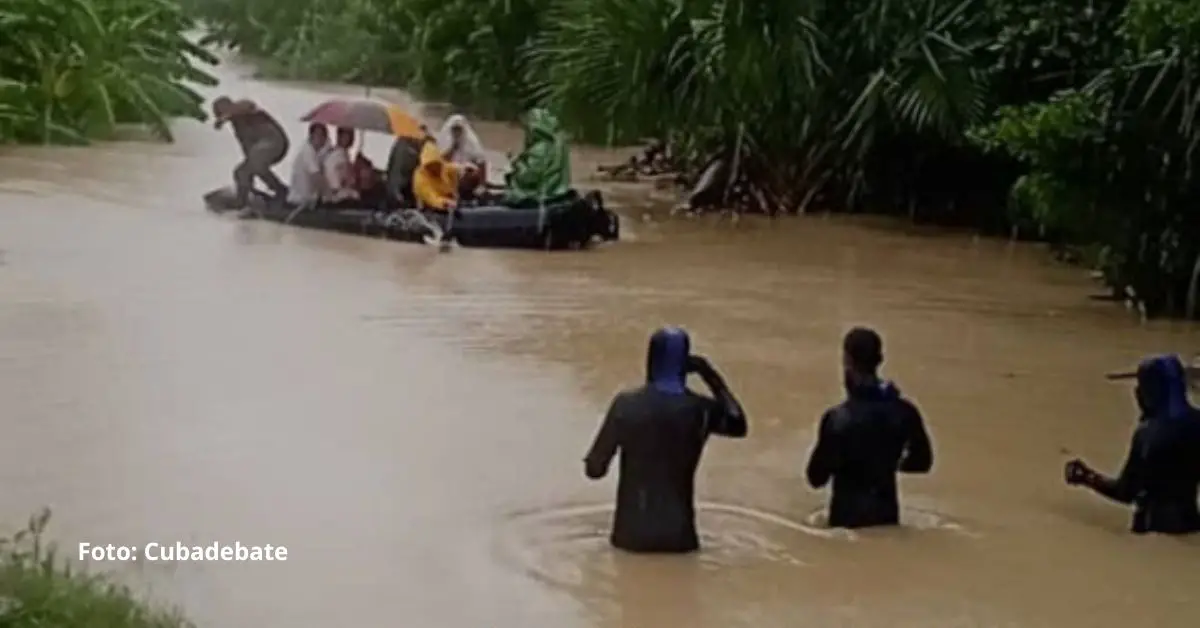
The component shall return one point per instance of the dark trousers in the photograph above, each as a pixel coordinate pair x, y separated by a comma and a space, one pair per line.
260, 157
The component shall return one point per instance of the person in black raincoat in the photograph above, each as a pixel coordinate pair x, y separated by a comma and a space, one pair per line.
863, 442
1162, 470
661, 429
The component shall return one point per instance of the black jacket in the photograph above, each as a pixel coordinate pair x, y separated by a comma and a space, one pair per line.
660, 437
862, 443
1160, 476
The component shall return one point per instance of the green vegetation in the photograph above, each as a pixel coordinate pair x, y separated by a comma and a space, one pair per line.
1066, 120
1110, 158
39, 590
72, 70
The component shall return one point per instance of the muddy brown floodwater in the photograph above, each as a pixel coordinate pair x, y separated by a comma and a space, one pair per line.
410, 424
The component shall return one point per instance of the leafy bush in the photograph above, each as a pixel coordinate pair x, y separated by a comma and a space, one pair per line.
825, 94
1111, 160
37, 589
1069, 119
71, 70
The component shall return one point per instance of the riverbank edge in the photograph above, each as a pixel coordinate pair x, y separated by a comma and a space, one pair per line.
39, 587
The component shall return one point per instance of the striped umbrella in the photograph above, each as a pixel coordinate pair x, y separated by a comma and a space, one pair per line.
365, 115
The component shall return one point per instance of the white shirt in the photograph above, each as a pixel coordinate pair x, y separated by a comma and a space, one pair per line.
466, 153
305, 170
335, 159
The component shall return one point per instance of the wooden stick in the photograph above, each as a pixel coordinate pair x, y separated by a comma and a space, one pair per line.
1193, 372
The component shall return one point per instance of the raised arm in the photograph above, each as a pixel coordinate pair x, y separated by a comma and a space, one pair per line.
918, 451
726, 416
607, 442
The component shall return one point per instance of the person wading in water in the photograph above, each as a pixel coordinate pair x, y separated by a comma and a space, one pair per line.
1162, 470
661, 429
263, 142
865, 440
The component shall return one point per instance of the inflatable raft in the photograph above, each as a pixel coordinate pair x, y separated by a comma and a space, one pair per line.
571, 222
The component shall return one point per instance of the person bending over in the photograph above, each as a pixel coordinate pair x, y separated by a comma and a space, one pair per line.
1162, 470
863, 442
263, 141
661, 429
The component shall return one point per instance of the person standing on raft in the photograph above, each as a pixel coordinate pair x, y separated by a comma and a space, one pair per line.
863, 442
661, 429
1162, 471
264, 144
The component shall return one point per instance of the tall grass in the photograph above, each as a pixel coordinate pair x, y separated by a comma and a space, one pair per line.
39, 589
73, 70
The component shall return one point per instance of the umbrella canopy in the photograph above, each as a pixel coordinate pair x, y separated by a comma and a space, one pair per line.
364, 115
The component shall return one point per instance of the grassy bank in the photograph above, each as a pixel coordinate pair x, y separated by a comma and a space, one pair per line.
1064, 120
39, 589
73, 70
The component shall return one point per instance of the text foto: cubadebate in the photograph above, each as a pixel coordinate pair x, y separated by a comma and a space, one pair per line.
179, 551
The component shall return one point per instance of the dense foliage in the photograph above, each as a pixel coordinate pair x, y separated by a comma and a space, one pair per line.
850, 104
1069, 120
39, 589
71, 70
1111, 157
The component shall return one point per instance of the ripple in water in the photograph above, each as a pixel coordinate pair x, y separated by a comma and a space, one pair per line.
911, 518
568, 547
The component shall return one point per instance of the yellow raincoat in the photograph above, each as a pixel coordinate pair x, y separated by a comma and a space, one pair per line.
435, 190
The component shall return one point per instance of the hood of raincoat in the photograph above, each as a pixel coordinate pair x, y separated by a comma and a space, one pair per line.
666, 360
1162, 389
471, 145
541, 125
543, 169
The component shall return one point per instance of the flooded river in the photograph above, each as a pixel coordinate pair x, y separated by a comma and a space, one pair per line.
411, 424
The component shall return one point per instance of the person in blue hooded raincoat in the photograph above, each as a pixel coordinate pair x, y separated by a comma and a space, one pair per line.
863, 442
660, 430
1162, 470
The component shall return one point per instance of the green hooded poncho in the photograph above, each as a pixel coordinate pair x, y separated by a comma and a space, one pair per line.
543, 169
